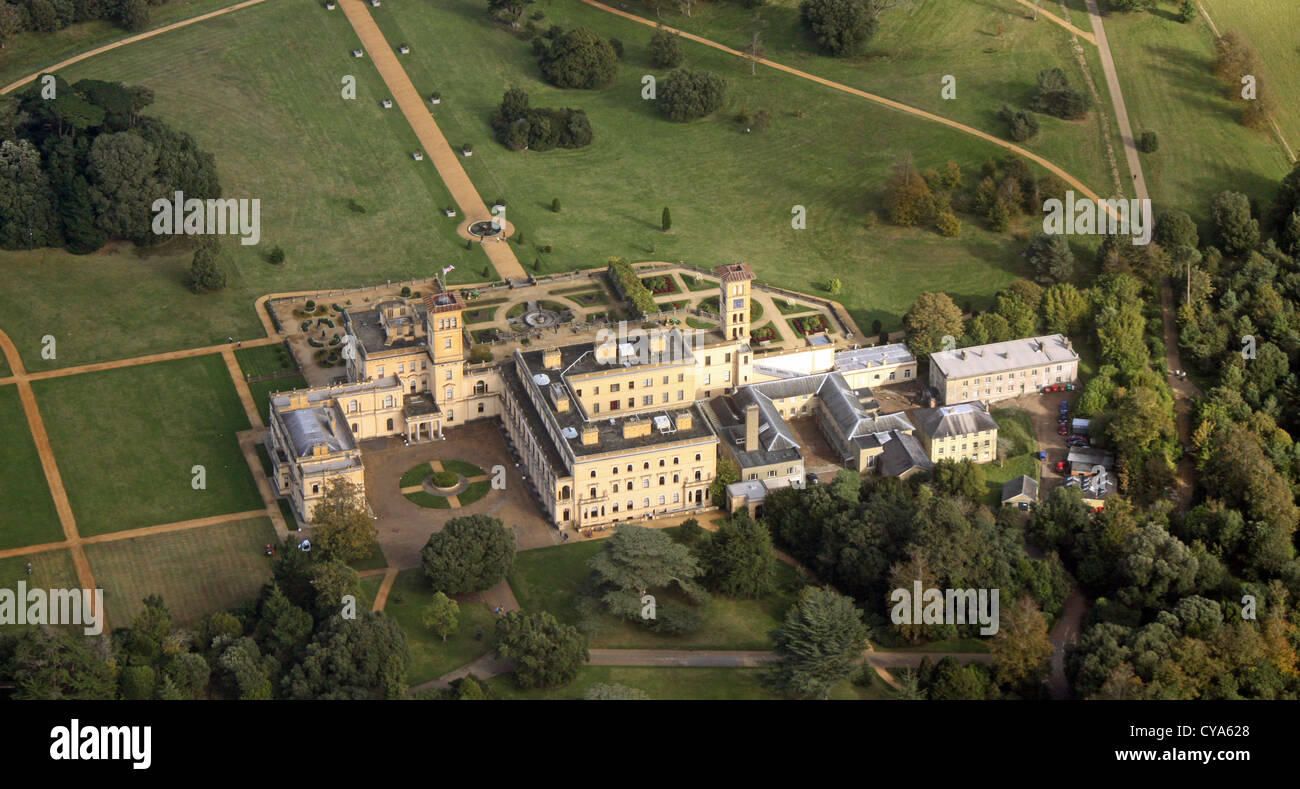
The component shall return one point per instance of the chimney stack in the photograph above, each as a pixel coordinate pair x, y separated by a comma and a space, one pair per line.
751, 427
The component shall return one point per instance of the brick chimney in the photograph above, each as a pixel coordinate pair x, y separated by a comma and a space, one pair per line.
751, 427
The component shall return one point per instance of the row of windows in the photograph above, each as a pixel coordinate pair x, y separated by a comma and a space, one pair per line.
614, 405
645, 465
448, 323
630, 505
990, 391
963, 447
1034, 373
772, 472
645, 483
648, 382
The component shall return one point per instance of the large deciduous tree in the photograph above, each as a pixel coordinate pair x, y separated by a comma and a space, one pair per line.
470, 554
546, 653
344, 529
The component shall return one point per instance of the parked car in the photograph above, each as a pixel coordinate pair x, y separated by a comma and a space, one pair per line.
1060, 466
1062, 430
1065, 406
1062, 419
1042, 455
812, 479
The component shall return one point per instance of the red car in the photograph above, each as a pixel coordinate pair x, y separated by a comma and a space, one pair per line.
1060, 466
1062, 430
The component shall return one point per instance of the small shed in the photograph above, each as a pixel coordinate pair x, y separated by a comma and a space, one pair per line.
1020, 492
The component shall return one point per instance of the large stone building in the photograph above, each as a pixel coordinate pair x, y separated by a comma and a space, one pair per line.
965, 431
1003, 370
627, 426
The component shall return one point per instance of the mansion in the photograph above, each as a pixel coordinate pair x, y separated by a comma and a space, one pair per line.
627, 427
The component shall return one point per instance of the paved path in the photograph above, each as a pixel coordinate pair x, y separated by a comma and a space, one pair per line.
489, 666
1065, 632
431, 139
72, 538
386, 587
130, 40
241, 386
1131, 153
1030, 155
1059, 21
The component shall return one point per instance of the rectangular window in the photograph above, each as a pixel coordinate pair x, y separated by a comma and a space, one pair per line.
613, 387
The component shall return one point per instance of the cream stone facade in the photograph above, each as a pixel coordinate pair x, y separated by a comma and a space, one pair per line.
620, 428
1003, 370
957, 432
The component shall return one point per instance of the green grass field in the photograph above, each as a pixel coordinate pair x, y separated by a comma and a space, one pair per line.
1165, 70
197, 571
914, 48
29, 53
548, 579
679, 684
50, 570
126, 441
832, 161
1271, 26
430, 657
260, 89
27, 514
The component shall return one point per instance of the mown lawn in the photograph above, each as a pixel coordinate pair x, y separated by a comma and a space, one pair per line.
197, 571
430, 657
1165, 70
50, 570
261, 90
832, 160
1269, 25
678, 684
27, 514
548, 579
914, 48
31, 52
127, 441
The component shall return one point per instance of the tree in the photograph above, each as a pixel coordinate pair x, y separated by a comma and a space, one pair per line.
612, 691
819, 644
331, 580
1149, 142
963, 478
907, 200
508, 11
135, 14
665, 49
947, 223
933, 317
441, 616
28, 219
1176, 229
738, 559
689, 95
1022, 650
11, 22
579, 58
546, 654
50, 663
1065, 309
470, 554
1021, 125
123, 184
1236, 230
343, 527
636, 562
727, 473
362, 658
841, 28
666, 220
282, 627
205, 274
1055, 96
834, 286
1051, 258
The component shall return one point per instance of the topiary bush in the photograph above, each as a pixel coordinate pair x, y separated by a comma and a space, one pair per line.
445, 479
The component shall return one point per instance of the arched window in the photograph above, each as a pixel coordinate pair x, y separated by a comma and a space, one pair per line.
480, 387
564, 495
390, 425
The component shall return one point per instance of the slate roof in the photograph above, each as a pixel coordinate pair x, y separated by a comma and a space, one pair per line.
902, 453
1002, 356
954, 420
1021, 485
308, 427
